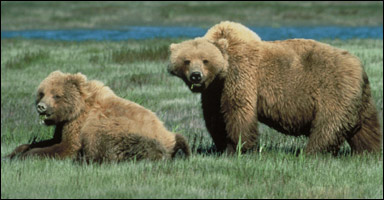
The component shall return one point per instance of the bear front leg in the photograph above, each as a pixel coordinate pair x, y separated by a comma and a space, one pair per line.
240, 116
18, 150
55, 151
242, 132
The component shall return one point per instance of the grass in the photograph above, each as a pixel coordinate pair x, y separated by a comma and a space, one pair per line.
136, 70
68, 15
270, 175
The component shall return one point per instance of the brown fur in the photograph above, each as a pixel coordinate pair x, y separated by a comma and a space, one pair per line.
121, 147
298, 87
92, 120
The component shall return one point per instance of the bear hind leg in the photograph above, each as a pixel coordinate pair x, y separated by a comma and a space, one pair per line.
181, 144
126, 147
327, 135
368, 136
319, 143
136, 147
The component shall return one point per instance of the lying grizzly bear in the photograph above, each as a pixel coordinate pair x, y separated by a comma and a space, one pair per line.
93, 123
297, 86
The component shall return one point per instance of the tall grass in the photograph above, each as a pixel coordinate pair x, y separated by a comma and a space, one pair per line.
136, 70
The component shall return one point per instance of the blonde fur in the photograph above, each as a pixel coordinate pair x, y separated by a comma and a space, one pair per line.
297, 86
92, 121
225, 28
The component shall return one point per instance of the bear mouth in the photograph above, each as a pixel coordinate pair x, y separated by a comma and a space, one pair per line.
44, 118
196, 87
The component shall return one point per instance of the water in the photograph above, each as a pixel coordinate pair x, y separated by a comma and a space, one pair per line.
266, 33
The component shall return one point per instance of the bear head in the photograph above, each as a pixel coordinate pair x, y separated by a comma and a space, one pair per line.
198, 62
60, 98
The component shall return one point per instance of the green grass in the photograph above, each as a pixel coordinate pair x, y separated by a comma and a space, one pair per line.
67, 15
136, 70
268, 175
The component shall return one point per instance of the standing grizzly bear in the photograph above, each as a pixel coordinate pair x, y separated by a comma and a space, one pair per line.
298, 87
96, 125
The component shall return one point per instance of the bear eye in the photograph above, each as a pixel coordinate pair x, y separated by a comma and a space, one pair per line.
187, 62
205, 61
57, 97
41, 94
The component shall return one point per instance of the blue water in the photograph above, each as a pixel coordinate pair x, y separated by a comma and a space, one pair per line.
266, 33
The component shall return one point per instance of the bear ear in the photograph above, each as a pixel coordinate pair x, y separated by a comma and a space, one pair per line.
222, 44
172, 47
77, 79
56, 73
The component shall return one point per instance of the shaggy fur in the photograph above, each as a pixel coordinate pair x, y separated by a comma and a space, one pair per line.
121, 147
93, 122
242, 33
298, 87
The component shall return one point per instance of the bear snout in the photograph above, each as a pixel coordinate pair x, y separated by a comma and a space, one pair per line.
41, 107
196, 77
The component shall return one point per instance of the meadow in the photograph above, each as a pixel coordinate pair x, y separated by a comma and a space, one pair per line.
136, 70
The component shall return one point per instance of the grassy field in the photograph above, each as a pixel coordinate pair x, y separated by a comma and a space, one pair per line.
136, 70
68, 15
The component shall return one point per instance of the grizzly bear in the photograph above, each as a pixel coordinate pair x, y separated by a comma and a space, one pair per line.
296, 86
94, 124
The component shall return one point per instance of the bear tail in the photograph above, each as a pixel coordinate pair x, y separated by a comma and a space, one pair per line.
181, 144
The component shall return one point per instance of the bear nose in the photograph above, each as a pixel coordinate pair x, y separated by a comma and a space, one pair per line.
41, 107
195, 77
